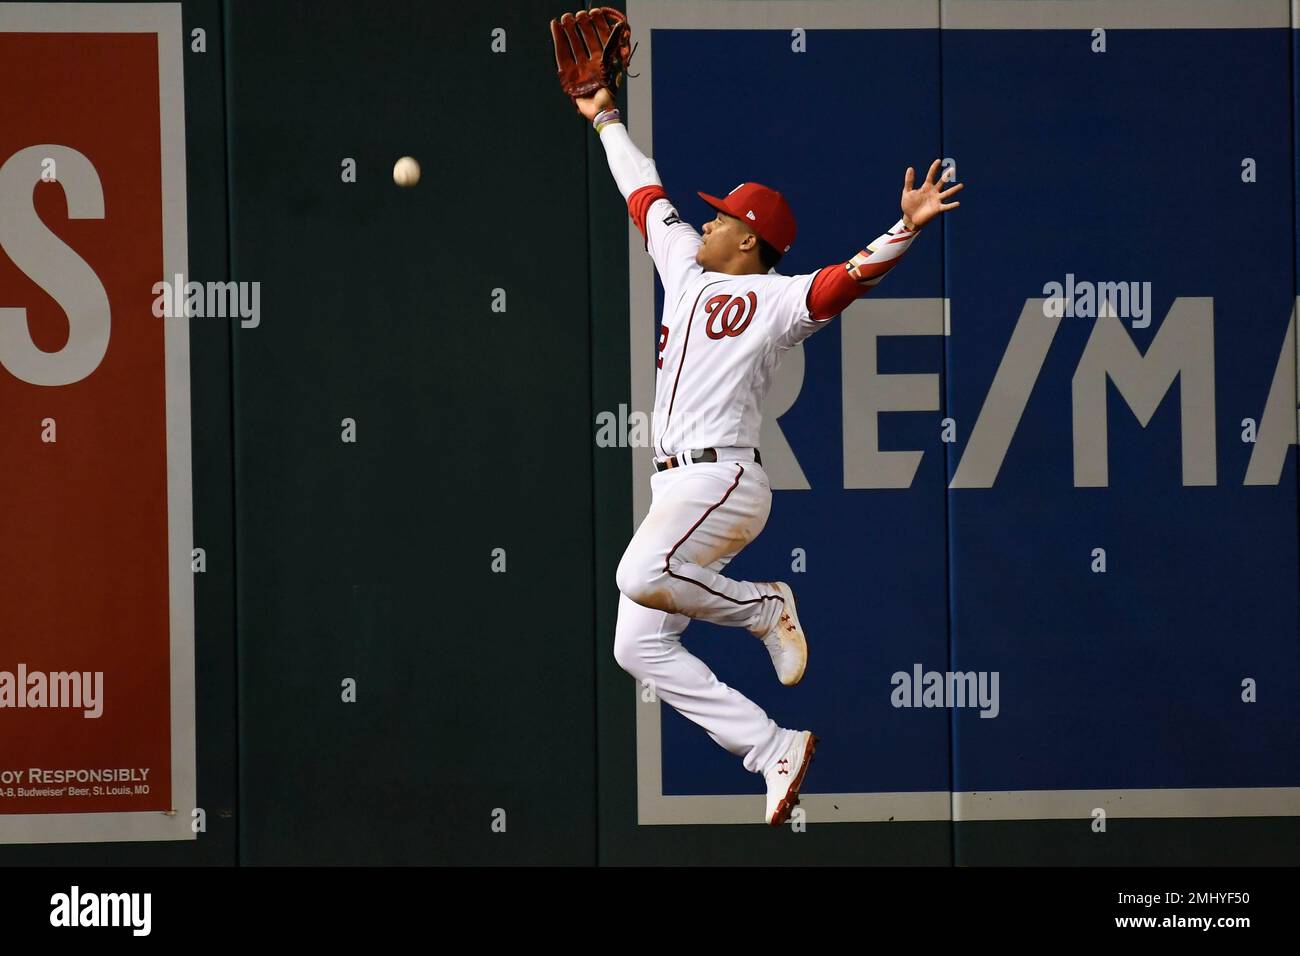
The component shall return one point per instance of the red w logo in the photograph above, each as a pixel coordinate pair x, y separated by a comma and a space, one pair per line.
727, 314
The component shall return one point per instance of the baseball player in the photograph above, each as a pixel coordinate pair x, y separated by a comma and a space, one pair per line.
728, 316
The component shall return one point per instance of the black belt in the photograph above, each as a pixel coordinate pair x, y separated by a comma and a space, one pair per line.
696, 456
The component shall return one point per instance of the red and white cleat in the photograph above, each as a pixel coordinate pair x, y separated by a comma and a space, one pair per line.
785, 777
785, 641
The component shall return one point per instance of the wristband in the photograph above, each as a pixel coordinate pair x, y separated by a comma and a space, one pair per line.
605, 118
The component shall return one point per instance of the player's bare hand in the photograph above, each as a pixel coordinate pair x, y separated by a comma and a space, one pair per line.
589, 106
925, 202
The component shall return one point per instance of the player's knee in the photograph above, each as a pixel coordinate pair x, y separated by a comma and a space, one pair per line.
640, 583
626, 575
625, 653
648, 592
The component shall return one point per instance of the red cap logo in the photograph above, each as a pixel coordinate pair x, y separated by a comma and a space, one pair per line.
766, 211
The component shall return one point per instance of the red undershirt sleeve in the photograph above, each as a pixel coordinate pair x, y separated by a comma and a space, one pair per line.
832, 291
639, 203
835, 287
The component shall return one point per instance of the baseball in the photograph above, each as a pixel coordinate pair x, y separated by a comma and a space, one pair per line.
406, 171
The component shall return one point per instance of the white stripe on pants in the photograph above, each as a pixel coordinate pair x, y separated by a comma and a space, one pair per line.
700, 517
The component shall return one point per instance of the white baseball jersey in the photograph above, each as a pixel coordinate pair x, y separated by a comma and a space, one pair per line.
720, 340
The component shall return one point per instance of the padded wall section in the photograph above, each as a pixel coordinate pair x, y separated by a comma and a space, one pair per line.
1121, 558
448, 324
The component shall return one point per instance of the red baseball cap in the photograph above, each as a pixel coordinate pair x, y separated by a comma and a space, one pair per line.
766, 210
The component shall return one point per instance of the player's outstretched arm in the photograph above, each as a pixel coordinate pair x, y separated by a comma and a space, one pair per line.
836, 287
638, 181
632, 169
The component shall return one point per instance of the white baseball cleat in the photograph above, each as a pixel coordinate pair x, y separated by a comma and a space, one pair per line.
786, 776
785, 640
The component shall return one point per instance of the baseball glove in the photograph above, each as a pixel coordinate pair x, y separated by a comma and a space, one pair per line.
592, 50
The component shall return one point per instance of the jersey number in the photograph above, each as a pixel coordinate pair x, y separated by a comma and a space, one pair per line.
663, 341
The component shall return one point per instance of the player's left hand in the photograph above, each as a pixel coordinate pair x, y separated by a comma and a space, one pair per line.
922, 204
589, 106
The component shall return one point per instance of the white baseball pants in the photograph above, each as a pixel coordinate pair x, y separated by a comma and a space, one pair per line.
700, 517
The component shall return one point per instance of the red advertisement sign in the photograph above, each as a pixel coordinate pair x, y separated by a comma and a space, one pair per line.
96, 593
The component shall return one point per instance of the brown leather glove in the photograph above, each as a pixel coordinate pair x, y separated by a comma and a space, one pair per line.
592, 50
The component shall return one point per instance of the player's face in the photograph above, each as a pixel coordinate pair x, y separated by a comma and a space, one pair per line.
722, 237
